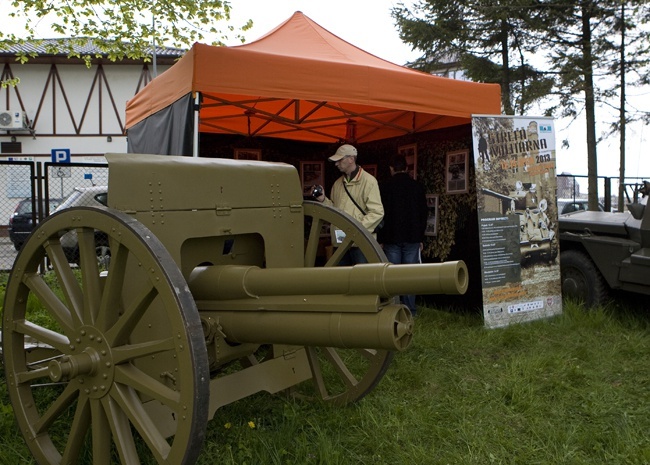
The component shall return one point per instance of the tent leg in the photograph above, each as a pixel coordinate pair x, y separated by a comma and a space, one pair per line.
195, 141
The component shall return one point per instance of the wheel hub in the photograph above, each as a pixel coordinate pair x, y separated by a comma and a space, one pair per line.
573, 285
89, 363
570, 286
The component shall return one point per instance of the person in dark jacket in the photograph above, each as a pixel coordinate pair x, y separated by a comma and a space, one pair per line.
405, 219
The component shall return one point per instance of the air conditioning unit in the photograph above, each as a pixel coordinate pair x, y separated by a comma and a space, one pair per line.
12, 120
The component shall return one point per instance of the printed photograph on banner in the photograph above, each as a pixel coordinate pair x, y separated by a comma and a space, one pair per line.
432, 219
516, 187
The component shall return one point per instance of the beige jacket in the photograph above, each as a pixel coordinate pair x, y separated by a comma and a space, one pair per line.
365, 191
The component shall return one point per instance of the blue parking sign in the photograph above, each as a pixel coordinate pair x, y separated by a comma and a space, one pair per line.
61, 156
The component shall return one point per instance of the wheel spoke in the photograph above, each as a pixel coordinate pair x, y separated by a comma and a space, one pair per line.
50, 301
112, 296
120, 331
101, 433
312, 242
131, 405
121, 431
335, 359
131, 376
339, 252
368, 354
89, 273
44, 335
67, 280
132, 351
317, 373
65, 399
78, 431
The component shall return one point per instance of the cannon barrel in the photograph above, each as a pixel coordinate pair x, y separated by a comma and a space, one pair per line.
382, 279
297, 305
390, 329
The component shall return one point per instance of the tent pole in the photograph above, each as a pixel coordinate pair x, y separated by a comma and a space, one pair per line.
195, 142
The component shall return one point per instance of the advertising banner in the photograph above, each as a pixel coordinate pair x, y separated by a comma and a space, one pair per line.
516, 185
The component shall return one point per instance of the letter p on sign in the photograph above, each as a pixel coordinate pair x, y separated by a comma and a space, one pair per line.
60, 155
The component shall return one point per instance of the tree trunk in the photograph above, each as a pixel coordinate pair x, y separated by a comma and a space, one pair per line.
621, 177
506, 99
590, 107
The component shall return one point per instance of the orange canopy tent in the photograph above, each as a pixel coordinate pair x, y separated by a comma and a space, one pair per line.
297, 82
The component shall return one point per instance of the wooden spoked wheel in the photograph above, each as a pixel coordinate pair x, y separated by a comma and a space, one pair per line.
342, 376
104, 366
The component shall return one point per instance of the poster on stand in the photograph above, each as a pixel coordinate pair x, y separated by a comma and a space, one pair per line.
516, 187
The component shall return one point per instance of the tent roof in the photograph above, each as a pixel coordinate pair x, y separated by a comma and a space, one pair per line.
299, 81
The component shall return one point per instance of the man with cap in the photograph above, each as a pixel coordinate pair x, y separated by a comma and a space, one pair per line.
355, 183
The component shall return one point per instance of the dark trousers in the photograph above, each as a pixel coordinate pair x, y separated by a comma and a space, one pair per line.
404, 252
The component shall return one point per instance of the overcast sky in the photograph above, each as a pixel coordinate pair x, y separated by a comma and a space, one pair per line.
364, 23
368, 24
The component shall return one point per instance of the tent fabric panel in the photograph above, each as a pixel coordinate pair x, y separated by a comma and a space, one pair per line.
264, 75
299, 64
167, 132
227, 70
299, 36
162, 91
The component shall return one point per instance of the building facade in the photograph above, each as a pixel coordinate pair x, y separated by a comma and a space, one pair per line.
61, 103
60, 107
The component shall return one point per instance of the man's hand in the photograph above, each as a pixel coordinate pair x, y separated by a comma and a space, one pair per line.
318, 193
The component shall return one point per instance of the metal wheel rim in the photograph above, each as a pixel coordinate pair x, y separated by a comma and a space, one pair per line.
105, 401
356, 385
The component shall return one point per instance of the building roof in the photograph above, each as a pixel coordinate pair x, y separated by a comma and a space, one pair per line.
55, 50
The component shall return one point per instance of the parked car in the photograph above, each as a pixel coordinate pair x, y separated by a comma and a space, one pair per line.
95, 196
565, 206
21, 221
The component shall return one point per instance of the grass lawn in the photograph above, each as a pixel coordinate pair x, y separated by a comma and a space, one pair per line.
574, 389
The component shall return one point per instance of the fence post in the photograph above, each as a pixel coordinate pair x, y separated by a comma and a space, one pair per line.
608, 195
39, 192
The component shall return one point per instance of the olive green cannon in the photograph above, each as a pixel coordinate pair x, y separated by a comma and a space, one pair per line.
216, 289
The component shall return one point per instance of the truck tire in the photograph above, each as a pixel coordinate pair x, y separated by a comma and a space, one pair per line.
581, 280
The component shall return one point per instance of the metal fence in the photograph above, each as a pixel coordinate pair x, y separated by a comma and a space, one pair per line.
576, 189
29, 191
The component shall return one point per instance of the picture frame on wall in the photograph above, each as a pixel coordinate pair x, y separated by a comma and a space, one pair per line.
371, 169
456, 171
311, 174
432, 219
410, 152
248, 154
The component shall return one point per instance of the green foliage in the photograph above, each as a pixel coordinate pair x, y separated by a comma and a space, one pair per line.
9, 82
122, 29
578, 47
489, 40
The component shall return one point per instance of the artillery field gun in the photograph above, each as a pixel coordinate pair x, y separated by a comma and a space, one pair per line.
211, 294
602, 251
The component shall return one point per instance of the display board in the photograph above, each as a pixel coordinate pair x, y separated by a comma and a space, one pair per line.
514, 157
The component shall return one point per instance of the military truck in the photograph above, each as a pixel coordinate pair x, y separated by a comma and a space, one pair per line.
603, 251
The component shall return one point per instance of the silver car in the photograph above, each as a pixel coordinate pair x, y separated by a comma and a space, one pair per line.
95, 196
